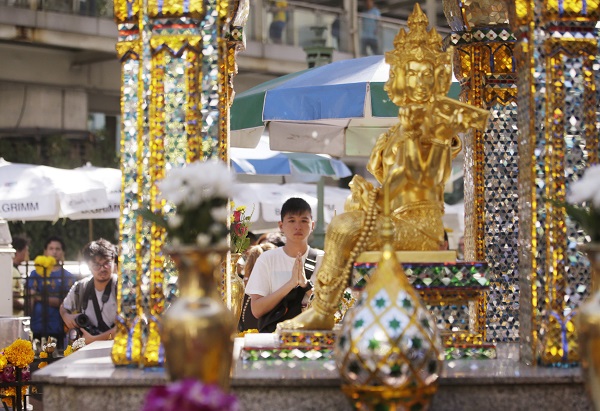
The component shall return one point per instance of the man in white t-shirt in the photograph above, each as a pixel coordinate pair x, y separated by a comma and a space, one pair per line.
91, 304
280, 273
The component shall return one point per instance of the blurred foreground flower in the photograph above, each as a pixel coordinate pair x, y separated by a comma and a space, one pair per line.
583, 202
189, 395
196, 197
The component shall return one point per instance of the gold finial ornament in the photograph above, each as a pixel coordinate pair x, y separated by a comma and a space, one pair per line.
415, 156
388, 351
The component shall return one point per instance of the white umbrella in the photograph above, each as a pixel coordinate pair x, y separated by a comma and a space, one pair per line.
110, 178
266, 199
31, 192
304, 166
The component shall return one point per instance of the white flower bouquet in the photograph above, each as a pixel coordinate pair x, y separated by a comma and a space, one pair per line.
583, 202
196, 198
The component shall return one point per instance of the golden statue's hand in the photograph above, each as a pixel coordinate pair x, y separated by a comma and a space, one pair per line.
308, 320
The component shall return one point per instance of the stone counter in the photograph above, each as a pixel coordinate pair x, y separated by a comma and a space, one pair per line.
87, 380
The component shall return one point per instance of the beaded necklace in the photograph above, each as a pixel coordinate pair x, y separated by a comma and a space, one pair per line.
244, 311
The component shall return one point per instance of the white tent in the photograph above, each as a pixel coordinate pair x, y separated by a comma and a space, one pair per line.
266, 200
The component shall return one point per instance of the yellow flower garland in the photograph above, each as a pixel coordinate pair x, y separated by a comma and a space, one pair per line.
11, 392
20, 353
44, 265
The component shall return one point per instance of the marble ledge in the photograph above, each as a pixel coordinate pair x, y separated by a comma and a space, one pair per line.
92, 365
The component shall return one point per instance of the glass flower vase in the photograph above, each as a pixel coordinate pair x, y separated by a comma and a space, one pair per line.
198, 329
588, 326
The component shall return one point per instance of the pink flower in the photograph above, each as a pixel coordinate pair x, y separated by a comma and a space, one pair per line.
189, 395
240, 230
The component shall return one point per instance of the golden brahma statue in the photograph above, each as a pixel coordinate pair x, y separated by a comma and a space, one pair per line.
414, 157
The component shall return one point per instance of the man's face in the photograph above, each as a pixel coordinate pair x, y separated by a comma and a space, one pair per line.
101, 268
21, 256
420, 81
297, 226
54, 249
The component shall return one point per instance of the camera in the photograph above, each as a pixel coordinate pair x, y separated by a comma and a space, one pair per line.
83, 321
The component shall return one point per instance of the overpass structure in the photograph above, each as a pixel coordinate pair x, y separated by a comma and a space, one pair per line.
59, 62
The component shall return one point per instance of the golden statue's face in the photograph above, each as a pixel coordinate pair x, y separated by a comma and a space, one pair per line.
419, 81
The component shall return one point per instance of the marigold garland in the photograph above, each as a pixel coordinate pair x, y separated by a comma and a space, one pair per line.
68, 351
44, 264
3, 361
20, 353
11, 392
250, 331
43, 354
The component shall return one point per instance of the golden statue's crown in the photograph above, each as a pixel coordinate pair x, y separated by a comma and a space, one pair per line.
418, 44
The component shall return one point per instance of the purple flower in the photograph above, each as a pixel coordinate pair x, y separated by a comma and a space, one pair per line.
25, 374
8, 373
189, 395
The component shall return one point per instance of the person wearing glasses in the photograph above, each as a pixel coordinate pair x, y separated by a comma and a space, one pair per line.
90, 307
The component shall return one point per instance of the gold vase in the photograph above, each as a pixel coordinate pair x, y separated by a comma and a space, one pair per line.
389, 352
236, 298
589, 327
198, 329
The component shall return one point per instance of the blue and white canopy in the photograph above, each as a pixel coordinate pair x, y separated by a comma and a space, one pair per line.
338, 109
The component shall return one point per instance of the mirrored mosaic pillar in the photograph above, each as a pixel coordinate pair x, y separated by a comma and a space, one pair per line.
173, 65
484, 65
556, 54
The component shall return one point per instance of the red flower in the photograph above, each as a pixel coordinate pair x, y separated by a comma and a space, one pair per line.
239, 229
237, 216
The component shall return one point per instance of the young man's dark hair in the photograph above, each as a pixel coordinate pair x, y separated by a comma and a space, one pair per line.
295, 205
99, 248
58, 240
19, 243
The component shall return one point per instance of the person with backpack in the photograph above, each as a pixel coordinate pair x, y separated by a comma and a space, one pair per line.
90, 307
279, 285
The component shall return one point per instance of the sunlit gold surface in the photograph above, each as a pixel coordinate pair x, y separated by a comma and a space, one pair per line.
588, 325
175, 8
565, 10
441, 256
198, 329
232, 287
476, 14
127, 10
414, 156
306, 339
